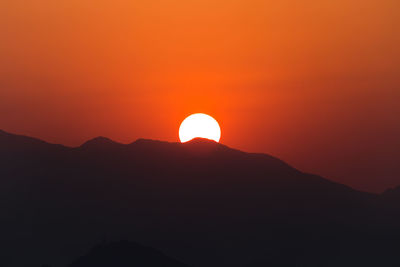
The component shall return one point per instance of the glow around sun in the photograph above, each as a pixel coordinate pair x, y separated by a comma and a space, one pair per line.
199, 125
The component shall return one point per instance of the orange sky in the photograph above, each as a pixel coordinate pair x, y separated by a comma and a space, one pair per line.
316, 83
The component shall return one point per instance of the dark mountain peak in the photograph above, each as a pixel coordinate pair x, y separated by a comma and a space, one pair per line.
200, 140
197, 146
124, 254
203, 146
99, 142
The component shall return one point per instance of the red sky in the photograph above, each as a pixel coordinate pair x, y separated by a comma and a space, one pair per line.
315, 83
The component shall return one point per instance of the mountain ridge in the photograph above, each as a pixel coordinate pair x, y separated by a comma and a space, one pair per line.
105, 142
124, 254
202, 202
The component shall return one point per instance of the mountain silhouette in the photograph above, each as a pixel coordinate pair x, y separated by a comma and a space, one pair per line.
200, 202
124, 254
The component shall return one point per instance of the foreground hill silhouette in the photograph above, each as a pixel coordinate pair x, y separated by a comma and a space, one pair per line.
125, 254
201, 202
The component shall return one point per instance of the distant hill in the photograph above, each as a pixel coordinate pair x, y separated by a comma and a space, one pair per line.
125, 254
201, 202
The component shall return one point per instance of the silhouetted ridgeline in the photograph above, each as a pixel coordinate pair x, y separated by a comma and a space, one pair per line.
202, 203
125, 254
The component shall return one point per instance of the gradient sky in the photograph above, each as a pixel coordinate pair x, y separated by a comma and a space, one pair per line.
315, 83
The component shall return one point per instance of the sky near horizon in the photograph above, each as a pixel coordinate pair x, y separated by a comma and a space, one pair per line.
315, 83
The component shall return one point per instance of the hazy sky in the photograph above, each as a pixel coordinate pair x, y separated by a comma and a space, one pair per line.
316, 83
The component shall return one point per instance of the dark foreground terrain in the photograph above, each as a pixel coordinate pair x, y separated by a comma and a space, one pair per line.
200, 203
124, 254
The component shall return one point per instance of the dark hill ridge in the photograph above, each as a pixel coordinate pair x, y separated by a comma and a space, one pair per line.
20, 143
125, 254
99, 141
201, 202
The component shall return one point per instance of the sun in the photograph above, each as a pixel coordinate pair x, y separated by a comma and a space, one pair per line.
199, 125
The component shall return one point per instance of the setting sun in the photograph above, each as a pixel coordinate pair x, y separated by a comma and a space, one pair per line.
199, 125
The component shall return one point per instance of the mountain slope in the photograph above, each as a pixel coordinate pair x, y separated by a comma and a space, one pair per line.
124, 254
201, 202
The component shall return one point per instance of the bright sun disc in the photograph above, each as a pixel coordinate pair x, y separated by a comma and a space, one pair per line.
199, 125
